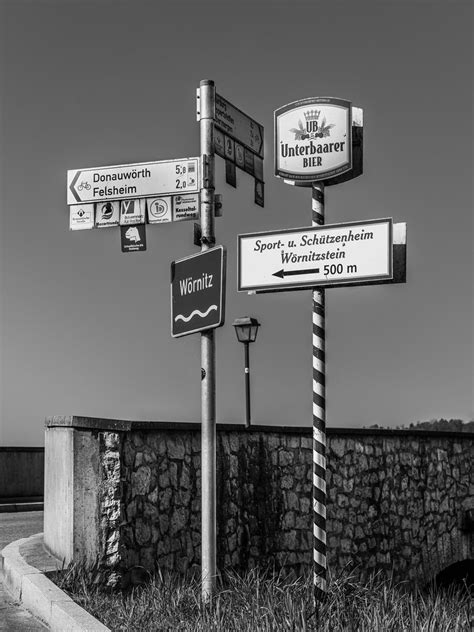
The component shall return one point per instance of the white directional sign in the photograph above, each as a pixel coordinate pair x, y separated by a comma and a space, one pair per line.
241, 127
329, 255
145, 179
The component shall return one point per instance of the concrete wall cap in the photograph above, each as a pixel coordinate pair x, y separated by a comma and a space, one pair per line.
120, 425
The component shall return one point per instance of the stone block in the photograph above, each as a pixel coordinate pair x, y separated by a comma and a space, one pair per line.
153, 496
175, 446
185, 481
303, 522
273, 442
173, 474
150, 511
306, 444
234, 442
289, 540
294, 442
292, 501
288, 521
142, 532
149, 457
285, 458
141, 480
164, 499
178, 520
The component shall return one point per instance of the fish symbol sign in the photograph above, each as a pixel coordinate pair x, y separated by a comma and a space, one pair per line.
198, 292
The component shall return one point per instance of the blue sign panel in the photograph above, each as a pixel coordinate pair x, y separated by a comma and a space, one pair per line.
198, 292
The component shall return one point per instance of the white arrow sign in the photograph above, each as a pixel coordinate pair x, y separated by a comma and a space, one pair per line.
144, 179
317, 256
237, 124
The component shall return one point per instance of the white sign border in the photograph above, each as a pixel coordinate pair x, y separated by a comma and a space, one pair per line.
72, 179
327, 175
223, 290
308, 284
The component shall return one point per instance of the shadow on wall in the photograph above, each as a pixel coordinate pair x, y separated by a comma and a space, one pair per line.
458, 575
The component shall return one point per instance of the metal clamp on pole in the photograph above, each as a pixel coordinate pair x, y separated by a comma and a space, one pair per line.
206, 100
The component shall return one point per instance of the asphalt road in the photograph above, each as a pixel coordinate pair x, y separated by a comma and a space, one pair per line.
14, 526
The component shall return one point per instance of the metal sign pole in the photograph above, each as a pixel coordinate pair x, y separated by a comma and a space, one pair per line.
319, 417
207, 96
247, 386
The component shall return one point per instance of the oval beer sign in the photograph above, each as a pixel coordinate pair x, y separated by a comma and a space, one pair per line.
313, 139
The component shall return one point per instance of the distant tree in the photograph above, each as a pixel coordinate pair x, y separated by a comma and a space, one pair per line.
452, 425
456, 425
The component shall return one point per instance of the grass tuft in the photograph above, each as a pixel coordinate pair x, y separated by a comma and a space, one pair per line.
264, 602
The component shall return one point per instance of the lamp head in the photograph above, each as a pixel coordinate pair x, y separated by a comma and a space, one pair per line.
246, 328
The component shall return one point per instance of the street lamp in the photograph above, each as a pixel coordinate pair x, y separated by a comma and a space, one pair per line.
246, 329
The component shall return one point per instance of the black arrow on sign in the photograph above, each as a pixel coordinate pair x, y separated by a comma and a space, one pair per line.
283, 273
72, 186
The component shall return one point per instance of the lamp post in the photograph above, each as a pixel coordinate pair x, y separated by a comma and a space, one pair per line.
246, 329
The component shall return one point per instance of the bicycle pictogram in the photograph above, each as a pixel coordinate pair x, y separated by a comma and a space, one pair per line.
84, 185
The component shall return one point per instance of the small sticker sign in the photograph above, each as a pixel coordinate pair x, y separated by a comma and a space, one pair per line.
219, 143
132, 212
81, 217
229, 148
230, 174
133, 238
248, 162
185, 207
107, 214
258, 168
159, 210
259, 193
239, 155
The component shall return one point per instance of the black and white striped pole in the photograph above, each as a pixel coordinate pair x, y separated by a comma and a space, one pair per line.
318, 142
319, 417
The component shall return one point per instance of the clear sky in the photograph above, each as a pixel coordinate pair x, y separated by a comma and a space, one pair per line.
85, 329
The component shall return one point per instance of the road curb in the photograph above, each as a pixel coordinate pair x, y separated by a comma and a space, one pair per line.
37, 593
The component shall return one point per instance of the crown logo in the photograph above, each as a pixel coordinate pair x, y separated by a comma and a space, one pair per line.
312, 115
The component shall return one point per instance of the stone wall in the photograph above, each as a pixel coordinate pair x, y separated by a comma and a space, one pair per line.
396, 499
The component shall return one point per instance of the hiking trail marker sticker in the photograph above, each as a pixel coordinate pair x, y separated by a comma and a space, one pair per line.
81, 217
133, 238
198, 292
313, 139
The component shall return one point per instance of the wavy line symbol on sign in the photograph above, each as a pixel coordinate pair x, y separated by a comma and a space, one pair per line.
195, 312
